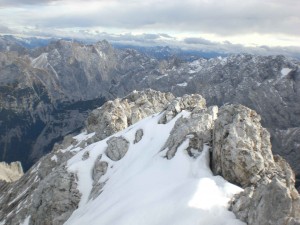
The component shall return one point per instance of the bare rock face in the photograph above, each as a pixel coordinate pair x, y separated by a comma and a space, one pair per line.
117, 115
270, 202
47, 194
10, 172
55, 198
242, 148
198, 129
100, 168
187, 102
116, 148
138, 136
242, 155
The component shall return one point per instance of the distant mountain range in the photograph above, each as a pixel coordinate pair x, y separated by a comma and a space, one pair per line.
159, 52
47, 92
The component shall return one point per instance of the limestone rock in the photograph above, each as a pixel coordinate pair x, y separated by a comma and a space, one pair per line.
138, 136
242, 154
187, 102
55, 199
270, 203
116, 148
86, 155
197, 128
100, 168
10, 172
241, 147
46, 194
117, 115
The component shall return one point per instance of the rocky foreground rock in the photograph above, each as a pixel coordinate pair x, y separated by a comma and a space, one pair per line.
240, 152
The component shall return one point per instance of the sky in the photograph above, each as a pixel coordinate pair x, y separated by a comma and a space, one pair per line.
251, 23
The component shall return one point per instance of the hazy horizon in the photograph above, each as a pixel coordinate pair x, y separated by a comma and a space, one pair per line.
229, 26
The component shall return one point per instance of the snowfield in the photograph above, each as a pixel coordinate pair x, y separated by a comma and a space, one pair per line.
145, 188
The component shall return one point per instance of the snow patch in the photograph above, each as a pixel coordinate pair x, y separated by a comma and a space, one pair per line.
101, 54
83, 136
195, 66
20, 195
184, 84
26, 221
159, 77
285, 71
35, 168
54, 71
41, 61
54, 158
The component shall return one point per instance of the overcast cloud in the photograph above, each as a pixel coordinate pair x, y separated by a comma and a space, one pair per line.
267, 22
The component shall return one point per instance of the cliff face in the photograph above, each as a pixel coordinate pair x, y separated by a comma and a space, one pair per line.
141, 154
48, 92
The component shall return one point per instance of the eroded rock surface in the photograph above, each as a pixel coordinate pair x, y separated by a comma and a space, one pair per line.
116, 115
10, 172
241, 149
47, 194
138, 136
187, 102
198, 129
116, 148
242, 155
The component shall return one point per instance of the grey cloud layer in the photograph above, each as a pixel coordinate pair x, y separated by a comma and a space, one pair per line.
226, 17
4, 3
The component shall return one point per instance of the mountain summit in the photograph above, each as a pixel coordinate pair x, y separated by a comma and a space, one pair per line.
152, 158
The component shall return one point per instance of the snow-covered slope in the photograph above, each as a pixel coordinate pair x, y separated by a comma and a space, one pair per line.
146, 188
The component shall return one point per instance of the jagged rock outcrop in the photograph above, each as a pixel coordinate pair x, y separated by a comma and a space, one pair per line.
116, 115
186, 102
55, 198
47, 194
242, 154
197, 129
271, 201
10, 172
241, 149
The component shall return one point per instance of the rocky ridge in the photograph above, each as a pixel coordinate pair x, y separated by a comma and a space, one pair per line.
64, 81
32, 196
240, 152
